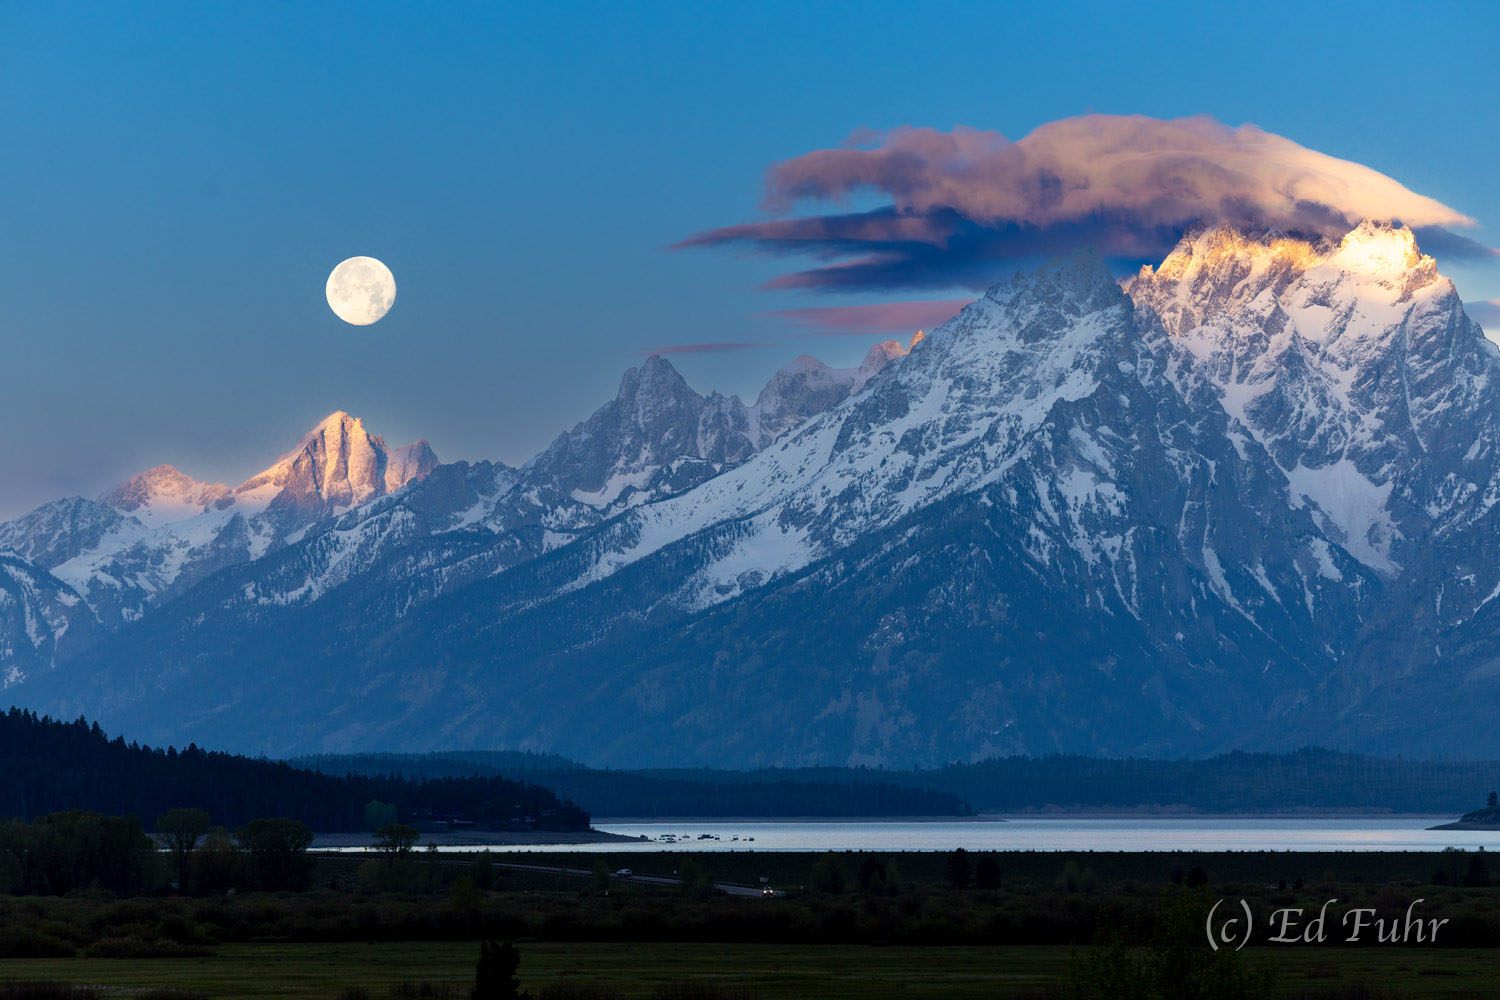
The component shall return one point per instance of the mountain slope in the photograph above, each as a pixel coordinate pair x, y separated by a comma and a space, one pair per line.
42, 620
341, 506
1354, 365
161, 532
1249, 503
1028, 477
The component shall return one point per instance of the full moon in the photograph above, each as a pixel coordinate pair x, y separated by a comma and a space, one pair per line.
361, 290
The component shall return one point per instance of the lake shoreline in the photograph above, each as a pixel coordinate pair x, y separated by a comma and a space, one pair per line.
1142, 812
480, 838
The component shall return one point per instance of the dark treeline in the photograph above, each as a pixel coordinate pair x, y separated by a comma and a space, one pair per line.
70, 851
1307, 779
671, 793
50, 767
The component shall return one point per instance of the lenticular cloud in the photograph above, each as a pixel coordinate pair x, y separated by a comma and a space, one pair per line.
958, 203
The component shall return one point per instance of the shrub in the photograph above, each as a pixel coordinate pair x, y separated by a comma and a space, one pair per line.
46, 991
409, 989
566, 990
18, 941
140, 947
827, 874
695, 990
495, 974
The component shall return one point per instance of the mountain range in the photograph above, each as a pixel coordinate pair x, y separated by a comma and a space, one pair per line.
1244, 499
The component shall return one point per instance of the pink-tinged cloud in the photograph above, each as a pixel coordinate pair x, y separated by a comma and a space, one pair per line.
877, 318
961, 204
1486, 314
710, 348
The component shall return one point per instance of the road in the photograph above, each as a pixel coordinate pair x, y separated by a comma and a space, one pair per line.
728, 888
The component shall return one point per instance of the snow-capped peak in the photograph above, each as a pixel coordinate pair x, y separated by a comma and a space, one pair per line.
1346, 361
337, 464
163, 494
1379, 249
807, 387
1222, 271
1072, 286
881, 354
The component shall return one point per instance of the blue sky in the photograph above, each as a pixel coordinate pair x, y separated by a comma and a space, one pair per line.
179, 179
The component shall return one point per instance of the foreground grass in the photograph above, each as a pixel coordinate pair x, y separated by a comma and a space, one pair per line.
769, 971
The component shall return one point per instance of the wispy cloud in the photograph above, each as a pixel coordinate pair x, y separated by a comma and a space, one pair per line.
962, 203
877, 318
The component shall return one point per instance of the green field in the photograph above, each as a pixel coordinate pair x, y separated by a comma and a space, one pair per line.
770, 971
842, 925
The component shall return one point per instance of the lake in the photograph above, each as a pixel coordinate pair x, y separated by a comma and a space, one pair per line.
1053, 833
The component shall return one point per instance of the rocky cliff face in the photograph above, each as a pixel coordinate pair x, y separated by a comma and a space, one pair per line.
160, 532
41, 620
341, 505
1354, 365
337, 464
1249, 500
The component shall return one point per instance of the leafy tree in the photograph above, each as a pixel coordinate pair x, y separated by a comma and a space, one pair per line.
379, 814
395, 841
1478, 873
892, 876
215, 862
464, 895
181, 829
695, 882
872, 876
1175, 965
958, 869
987, 873
495, 974
1070, 879
277, 851
827, 874
71, 850
484, 871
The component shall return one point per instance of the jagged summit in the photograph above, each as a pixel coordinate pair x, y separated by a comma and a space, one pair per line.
1346, 360
1220, 269
1253, 499
1074, 285
164, 494
1380, 248
879, 355
337, 464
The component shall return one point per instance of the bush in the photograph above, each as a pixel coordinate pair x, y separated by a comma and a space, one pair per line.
696, 990
957, 869
495, 974
409, 989
987, 873
140, 947
27, 942
47, 991
578, 991
1349, 991
827, 874
1176, 963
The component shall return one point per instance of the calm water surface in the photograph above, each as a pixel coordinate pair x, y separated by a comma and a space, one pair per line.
1375, 833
